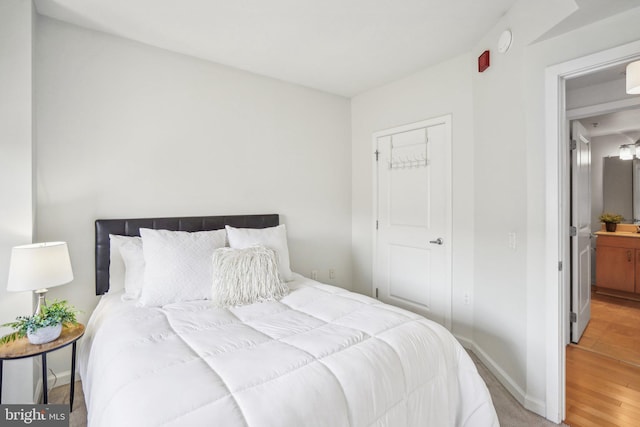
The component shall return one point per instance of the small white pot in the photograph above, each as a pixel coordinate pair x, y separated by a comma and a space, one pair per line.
45, 335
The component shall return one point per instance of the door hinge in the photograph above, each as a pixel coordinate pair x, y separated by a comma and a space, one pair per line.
573, 231
376, 293
559, 265
573, 144
377, 224
573, 317
377, 153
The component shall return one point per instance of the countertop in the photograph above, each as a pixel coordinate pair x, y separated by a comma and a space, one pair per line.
631, 234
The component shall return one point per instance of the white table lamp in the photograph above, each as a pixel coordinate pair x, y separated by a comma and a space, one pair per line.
39, 266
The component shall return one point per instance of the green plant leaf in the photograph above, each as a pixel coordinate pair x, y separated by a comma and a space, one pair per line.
611, 218
10, 337
50, 315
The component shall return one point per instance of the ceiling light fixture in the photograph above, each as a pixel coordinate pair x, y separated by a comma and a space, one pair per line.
633, 78
625, 152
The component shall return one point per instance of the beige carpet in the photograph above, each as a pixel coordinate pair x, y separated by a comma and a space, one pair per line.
60, 394
510, 413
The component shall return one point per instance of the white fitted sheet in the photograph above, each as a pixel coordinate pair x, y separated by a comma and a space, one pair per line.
321, 356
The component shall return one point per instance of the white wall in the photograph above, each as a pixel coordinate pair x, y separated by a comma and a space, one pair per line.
506, 145
509, 296
128, 130
490, 196
16, 213
510, 310
436, 91
597, 94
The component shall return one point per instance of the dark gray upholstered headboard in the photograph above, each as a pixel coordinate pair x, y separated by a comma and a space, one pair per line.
131, 227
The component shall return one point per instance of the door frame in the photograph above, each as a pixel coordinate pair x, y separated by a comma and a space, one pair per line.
448, 248
557, 245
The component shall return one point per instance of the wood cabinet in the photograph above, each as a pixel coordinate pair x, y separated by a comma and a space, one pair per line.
618, 262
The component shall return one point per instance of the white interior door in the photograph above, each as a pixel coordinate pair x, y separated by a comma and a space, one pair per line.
581, 226
412, 245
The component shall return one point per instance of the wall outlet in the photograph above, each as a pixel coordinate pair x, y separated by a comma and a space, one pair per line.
466, 298
332, 274
314, 274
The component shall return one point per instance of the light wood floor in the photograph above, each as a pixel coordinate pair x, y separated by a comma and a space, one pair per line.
603, 370
614, 329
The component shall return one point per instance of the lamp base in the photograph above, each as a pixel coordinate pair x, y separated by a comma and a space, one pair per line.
41, 301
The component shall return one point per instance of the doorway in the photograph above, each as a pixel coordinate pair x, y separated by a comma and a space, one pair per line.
613, 330
557, 215
611, 180
600, 182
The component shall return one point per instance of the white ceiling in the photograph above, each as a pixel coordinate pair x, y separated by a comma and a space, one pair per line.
616, 72
625, 123
339, 46
590, 11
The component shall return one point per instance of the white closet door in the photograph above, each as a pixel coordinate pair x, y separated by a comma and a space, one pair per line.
412, 249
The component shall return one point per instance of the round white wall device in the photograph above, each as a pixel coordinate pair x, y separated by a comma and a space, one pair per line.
504, 42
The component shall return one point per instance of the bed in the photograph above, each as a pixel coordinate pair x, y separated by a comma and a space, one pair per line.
317, 356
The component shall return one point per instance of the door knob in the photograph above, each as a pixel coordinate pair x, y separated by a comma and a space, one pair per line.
438, 241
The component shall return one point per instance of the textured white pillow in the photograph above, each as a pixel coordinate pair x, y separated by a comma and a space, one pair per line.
245, 276
272, 237
178, 265
133, 257
116, 263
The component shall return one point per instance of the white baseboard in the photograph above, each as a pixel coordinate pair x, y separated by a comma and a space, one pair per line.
59, 379
534, 405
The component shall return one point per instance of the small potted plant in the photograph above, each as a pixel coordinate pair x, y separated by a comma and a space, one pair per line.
43, 327
610, 220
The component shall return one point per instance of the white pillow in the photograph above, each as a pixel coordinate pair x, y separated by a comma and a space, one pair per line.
272, 237
116, 263
178, 265
245, 276
133, 257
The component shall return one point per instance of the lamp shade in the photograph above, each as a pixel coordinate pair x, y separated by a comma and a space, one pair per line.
39, 266
633, 78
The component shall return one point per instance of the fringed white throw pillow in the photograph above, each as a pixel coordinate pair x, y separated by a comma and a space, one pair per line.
245, 276
272, 237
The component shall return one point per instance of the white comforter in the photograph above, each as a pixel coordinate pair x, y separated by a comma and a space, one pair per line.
321, 356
